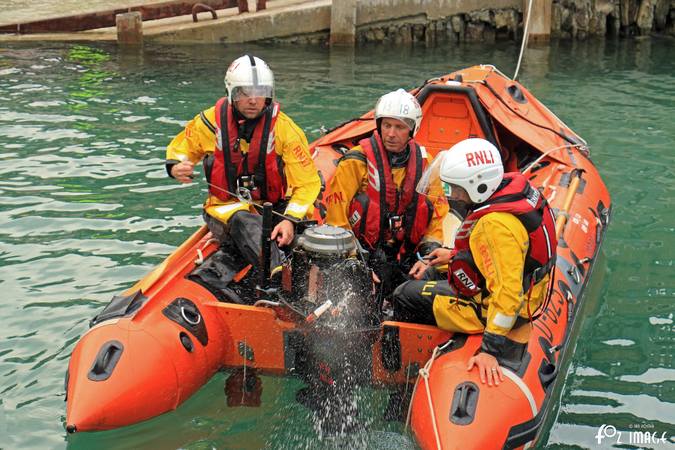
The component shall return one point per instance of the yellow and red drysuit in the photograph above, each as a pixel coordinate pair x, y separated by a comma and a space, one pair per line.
358, 174
300, 180
378, 202
509, 284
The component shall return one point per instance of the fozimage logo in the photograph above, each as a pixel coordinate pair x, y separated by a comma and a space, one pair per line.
640, 434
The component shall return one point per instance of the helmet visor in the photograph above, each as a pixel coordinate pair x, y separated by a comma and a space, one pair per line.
431, 185
245, 92
404, 120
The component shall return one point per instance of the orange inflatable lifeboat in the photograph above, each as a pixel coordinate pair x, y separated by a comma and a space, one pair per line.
157, 343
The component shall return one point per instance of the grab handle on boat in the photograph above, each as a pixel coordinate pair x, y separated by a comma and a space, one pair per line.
548, 371
105, 361
464, 403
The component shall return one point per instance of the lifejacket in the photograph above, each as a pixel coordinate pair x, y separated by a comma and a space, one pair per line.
383, 213
516, 196
261, 167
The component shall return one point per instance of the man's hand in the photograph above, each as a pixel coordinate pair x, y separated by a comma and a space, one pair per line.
418, 269
488, 368
439, 256
183, 171
283, 233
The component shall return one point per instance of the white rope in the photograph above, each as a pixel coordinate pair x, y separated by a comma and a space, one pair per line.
200, 257
200, 254
548, 152
524, 388
525, 34
424, 374
266, 303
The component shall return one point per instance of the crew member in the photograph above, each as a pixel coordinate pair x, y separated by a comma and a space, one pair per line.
373, 193
253, 153
503, 252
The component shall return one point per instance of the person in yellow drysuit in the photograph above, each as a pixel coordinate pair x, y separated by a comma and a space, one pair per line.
252, 152
498, 270
373, 194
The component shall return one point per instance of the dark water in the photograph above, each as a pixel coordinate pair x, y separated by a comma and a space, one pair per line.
86, 209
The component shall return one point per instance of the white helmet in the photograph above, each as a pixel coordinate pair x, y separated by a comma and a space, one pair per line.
402, 106
475, 165
249, 76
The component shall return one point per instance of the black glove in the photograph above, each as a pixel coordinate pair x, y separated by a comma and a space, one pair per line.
427, 247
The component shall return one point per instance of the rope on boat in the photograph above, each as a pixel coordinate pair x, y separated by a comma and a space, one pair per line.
200, 257
525, 34
548, 152
200, 251
424, 374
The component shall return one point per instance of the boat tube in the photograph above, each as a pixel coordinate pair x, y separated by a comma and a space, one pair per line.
158, 342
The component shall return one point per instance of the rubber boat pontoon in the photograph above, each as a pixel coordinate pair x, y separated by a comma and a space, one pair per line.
158, 342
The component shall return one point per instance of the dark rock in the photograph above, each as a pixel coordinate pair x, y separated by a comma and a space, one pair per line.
482, 15
458, 26
661, 10
418, 32
489, 34
379, 34
645, 17
474, 31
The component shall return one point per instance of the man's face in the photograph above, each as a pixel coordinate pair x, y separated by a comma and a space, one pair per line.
395, 135
249, 107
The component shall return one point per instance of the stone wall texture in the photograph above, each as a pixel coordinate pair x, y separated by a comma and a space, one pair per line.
571, 19
582, 18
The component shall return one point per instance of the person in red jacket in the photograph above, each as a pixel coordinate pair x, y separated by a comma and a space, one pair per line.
503, 252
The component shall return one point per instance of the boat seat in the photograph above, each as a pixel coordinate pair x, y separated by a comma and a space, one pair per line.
450, 114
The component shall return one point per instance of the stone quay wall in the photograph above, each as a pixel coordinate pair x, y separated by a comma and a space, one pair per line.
404, 21
582, 18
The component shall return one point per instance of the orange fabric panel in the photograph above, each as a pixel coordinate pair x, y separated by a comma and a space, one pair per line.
417, 344
447, 119
509, 113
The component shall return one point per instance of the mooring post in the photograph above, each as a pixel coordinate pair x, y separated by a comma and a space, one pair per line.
244, 6
129, 28
540, 19
343, 22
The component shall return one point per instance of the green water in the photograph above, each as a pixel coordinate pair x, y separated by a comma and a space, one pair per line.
86, 209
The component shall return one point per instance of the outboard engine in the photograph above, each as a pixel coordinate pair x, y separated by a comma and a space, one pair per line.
327, 267
330, 277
